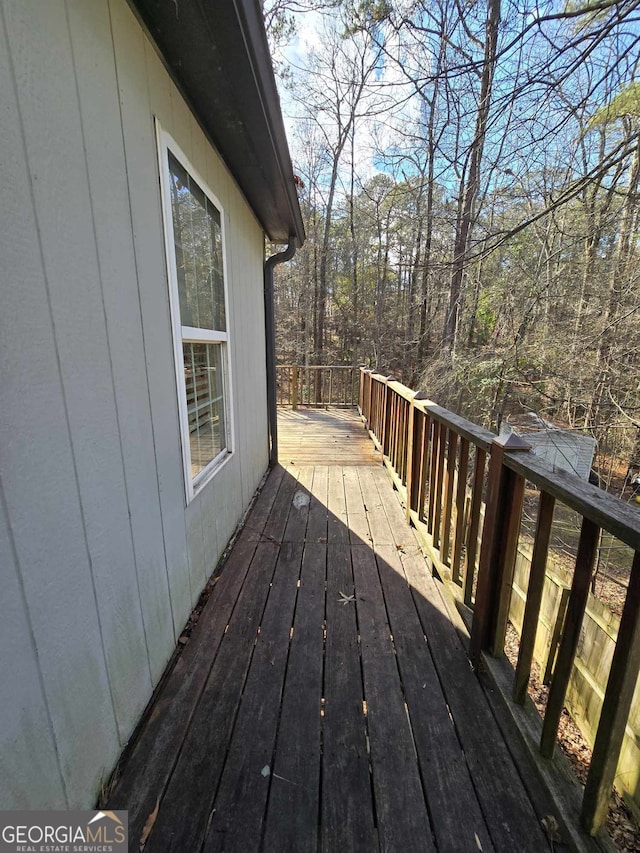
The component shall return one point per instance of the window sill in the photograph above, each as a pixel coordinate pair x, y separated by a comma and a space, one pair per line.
207, 475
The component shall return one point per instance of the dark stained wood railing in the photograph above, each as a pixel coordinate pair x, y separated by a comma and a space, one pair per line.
317, 385
438, 462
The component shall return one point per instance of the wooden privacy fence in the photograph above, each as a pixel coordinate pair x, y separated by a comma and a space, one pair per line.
445, 469
317, 385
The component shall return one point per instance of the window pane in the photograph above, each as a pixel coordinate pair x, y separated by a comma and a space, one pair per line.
205, 403
198, 245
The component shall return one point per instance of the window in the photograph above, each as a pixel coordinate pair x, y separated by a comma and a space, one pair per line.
195, 252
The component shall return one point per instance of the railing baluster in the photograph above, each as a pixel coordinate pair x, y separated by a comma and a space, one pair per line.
474, 525
621, 684
425, 423
587, 549
294, 387
413, 457
437, 515
448, 495
433, 473
461, 492
535, 588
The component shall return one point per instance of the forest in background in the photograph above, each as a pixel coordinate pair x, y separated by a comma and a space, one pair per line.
469, 174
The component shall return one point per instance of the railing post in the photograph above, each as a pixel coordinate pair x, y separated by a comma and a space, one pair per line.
615, 708
294, 386
498, 550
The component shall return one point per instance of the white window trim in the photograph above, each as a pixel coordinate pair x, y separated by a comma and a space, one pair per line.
186, 334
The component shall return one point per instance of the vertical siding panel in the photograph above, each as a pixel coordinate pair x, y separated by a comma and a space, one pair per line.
195, 542
142, 169
98, 92
199, 147
212, 550
38, 472
181, 118
45, 78
29, 770
158, 86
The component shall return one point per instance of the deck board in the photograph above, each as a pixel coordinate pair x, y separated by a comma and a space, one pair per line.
301, 719
335, 436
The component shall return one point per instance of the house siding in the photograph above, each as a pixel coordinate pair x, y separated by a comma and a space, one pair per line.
100, 560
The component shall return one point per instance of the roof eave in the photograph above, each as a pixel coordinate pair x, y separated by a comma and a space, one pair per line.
218, 55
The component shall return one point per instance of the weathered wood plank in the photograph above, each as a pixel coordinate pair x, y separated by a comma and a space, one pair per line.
403, 823
347, 808
151, 761
318, 437
337, 530
279, 515
186, 803
507, 809
292, 814
259, 515
396, 528
317, 521
240, 803
455, 812
356, 516
378, 522
299, 512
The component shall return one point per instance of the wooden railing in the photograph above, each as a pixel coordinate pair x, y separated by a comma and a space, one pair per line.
438, 462
317, 385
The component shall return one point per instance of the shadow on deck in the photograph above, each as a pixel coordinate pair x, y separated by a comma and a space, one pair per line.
324, 700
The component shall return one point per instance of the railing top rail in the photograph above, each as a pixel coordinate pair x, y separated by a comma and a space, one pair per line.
477, 435
605, 510
320, 366
467, 429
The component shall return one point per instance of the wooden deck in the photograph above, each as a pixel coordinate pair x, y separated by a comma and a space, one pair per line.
324, 436
324, 700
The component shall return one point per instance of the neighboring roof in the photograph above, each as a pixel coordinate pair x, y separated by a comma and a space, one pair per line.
217, 52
